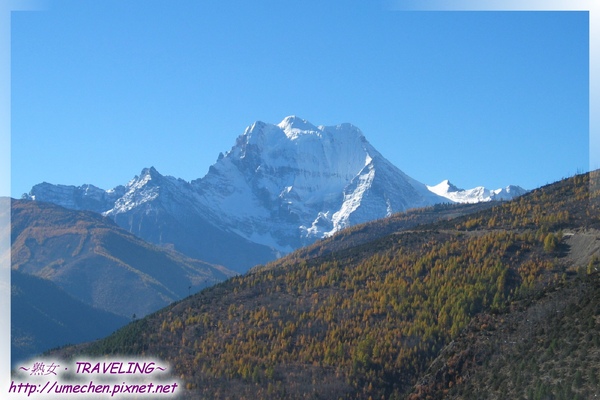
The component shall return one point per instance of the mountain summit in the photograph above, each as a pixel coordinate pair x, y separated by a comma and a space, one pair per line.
299, 182
281, 186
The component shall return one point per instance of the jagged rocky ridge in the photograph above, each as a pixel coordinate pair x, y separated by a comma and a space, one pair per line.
280, 187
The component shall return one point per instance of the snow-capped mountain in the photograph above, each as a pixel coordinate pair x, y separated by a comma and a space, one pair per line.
475, 195
278, 188
84, 197
299, 182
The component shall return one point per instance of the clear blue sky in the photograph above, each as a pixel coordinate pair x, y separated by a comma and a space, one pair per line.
102, 89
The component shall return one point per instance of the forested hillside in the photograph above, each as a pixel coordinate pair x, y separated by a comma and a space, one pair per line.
545, 346
367, 321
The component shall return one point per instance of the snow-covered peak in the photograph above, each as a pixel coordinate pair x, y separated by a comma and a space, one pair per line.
151, 173
147, 174
297, 143
295, 177
84, 197
443, 188
509, 192
293, 127
149, 186
475, 195
294, 131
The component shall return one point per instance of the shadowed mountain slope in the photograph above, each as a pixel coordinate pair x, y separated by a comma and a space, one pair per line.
43, 316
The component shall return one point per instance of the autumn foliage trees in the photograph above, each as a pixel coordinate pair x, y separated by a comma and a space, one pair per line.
364, 321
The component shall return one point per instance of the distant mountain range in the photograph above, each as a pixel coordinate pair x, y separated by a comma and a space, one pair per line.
279, 188
475, 195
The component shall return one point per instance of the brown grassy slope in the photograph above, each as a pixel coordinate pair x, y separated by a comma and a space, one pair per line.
99, 263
